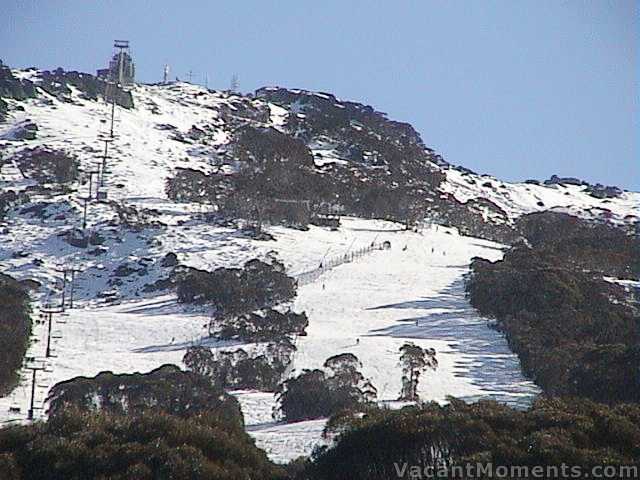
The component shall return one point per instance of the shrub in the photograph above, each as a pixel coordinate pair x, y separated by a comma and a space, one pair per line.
146, 446
255, 327
238, 370
190, 185
167, 389
164, 424
47, 165
316, 393
589, 245
15, 329
237, 291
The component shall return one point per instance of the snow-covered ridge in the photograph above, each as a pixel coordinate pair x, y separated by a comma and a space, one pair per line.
181, 125
517, 199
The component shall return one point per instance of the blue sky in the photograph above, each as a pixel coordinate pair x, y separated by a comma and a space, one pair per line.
518, 89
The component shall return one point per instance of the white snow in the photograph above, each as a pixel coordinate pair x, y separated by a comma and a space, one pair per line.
377, 299
278, 115
371, 307
519, 198
368, 307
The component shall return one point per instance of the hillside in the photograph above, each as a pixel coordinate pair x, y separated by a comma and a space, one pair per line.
207, 179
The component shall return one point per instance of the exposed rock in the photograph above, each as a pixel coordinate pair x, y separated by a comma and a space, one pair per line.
257, 234
124, 270
96, 239
12, 87
196, 133
47, 165
169, 260
81, 239
25, 130
37, 210
98, 251
57, 83
9, 199
333, 222
31, 284
556, 180
600, 191
160, 284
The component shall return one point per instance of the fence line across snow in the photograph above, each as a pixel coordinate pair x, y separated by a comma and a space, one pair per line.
309, 276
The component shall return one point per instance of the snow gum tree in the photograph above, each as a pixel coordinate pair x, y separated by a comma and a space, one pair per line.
414, 360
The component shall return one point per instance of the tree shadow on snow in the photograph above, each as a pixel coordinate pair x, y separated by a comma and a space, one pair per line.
177, 346
482, 353
162, 306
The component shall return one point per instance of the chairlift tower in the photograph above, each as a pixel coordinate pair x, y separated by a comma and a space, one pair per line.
48, 312
32, 407
119, 75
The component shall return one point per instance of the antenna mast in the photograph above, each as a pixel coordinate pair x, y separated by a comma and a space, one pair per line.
165, 74
233, 87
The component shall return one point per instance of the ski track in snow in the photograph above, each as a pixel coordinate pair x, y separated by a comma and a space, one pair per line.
407, 293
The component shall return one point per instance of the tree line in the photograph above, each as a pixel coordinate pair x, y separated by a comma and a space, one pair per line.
336, 389
167, 424
576, 333
247, 307
445, 439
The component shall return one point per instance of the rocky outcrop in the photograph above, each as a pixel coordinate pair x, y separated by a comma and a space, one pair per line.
556, 180
58, 83
600, 191
14, 88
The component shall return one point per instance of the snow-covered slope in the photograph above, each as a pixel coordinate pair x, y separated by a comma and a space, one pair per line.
369, 307
412, 292
150, 139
